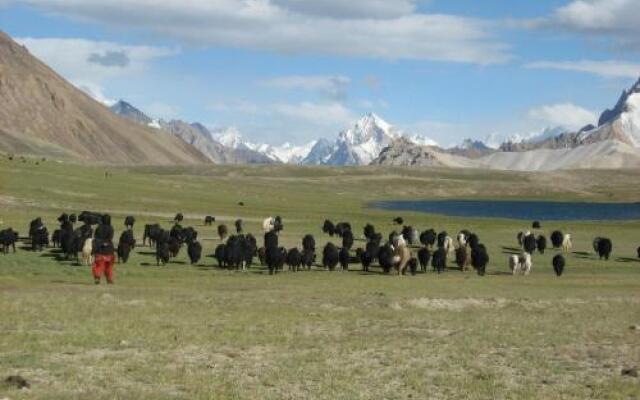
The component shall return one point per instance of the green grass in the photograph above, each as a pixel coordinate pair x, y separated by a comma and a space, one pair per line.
197, 332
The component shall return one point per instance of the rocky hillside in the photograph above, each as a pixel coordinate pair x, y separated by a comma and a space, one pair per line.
43, 114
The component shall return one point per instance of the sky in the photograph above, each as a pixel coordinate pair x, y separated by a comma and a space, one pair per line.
296, 70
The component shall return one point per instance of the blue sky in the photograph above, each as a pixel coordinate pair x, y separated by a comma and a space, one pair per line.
295, 70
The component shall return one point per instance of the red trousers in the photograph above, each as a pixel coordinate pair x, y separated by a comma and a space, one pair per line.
103, 264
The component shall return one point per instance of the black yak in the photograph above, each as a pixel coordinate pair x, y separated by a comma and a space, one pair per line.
398, 220
209, 220
129, 221
347, 239
330, 256
294, 259
442, 237
270, 239
162, 253
557, 237
473, 241
413, 265
275, 259
220, 255
536, 225
369, 231
8, 239
462, 258
178, 218
558, 264
424, 256
126, 243
365, 259
428, 238
541, 244
151, 234
385, 258
529, 243
638, 252
342, 228
238, 225
480, 259
439, 260
604, 248
194, 250
329, 228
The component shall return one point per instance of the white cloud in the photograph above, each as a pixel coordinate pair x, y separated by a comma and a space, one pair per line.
333, 87
607, 69
608, 19
372, 29
566, 115
93, 61
95, 91
318, 114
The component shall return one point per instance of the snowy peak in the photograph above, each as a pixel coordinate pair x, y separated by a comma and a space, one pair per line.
621, 106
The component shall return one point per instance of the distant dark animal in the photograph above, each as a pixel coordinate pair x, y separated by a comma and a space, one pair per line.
151, 234
177, 232
424, 256
278, 225
126, 243
189, 234
209, 220
238, 225
473, 241
428, 238
442, 237
329, 228
369, 231
241, 203
64, 217
439, 260
558, 264
366, 259
398, 220
541, 244
556, 239
309, 243
275, 259
385, 258
308, 258
163, 253
535, 225
521, 235
40, 238
270, 239
343, 258
347, 240
393, 237
194, 250
56, 238
220, 255
595, 242
223, 231
73, 218
330, 256
342, 228
174, 246
8, 239
638, 252
178, 218
294, 259
90, 218
410, 235
129, 221
373, 246
463, 258
605, 246
529, 243
480, 259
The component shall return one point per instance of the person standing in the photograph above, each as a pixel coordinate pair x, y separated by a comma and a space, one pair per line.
104, 259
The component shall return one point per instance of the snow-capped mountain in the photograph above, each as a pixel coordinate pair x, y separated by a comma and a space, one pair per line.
362, 143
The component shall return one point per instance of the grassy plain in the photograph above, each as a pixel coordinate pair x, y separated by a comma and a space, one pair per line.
197, 332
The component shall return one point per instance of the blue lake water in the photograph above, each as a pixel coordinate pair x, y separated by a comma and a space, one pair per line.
522, 210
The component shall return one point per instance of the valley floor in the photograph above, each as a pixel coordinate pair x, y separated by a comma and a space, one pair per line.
198, 332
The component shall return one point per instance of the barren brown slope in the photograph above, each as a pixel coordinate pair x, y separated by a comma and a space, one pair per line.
43, 114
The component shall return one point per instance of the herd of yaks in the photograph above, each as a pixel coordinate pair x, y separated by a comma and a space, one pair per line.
238, 250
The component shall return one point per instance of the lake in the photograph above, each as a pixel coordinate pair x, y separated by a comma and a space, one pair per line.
521, 210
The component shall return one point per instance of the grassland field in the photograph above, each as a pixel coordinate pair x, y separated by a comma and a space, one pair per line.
198, 332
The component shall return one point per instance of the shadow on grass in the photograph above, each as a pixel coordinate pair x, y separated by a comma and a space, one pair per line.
628, 260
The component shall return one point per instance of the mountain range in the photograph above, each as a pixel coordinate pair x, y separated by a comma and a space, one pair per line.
42, 114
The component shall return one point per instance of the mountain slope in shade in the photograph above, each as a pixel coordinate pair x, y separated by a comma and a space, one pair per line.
471, 149
124, 109
43, 114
